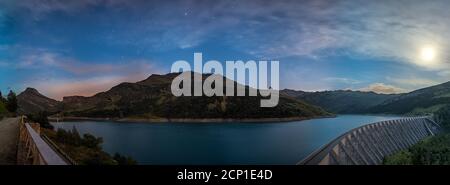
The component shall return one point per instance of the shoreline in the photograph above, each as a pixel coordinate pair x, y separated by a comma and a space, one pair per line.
187, 120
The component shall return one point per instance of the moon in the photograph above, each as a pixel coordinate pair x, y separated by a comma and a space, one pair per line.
427, 54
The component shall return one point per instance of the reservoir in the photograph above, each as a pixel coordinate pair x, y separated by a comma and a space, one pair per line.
220, 143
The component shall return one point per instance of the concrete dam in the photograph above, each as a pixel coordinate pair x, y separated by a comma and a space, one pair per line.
369, 144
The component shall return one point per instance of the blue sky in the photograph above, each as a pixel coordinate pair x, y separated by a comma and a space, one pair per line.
81, 47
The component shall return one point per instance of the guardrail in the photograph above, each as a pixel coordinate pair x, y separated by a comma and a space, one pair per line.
33, 149
59, 150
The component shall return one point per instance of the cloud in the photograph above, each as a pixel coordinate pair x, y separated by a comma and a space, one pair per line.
395, 30
184, 24
342, 80
58, 76
388, 30
73, 66
87, 85
413, 82
382, 89
59, 88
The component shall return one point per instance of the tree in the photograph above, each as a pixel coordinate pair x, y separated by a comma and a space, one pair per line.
2, 99
3, 109
71, 137
124, 160
41, 118
11, 104
91, 141
85, 150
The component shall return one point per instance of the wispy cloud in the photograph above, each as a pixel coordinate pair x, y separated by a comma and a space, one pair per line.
389, 29
59, 88
80, 77
342, 80
393, 31
413, 82
77, 67
382, 89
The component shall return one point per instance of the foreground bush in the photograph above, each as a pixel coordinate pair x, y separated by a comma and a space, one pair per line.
86, 149
434, 150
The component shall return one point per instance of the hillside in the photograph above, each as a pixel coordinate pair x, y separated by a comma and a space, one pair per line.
152, 98
422, 101
341, 101
31, 101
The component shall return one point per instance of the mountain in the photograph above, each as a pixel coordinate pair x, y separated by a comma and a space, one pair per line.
152, 98
31, 101
341, 101
422, 101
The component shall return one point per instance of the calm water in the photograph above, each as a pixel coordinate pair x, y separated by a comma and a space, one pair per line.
220, 143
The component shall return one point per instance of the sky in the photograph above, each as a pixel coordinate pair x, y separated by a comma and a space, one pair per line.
82, 47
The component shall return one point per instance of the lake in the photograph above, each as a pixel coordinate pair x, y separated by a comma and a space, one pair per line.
220, 143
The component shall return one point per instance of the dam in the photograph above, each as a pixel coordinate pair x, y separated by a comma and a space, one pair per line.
369, 144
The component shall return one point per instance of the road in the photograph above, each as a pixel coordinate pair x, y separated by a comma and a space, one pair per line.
9, 135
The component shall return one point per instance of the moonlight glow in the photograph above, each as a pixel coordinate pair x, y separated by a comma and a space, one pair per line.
427, 54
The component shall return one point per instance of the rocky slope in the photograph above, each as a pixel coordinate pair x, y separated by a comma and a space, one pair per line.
31, 101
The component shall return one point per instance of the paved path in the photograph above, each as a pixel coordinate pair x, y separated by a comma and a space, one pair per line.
9, 135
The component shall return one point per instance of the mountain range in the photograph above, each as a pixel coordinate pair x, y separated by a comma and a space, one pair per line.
419, 102
152, 99
422, 101
341, 101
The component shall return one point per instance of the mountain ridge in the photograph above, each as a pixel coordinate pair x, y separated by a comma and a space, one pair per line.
422, 101
341, 101
31, 101
152, 99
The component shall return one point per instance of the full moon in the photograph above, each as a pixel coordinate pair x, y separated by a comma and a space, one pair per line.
427, 54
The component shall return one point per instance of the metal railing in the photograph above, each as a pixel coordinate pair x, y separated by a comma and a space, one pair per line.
33, 149
59, 150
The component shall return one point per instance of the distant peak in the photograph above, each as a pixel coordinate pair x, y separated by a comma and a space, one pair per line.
159, 79
33, 94
152, 76
31, 90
